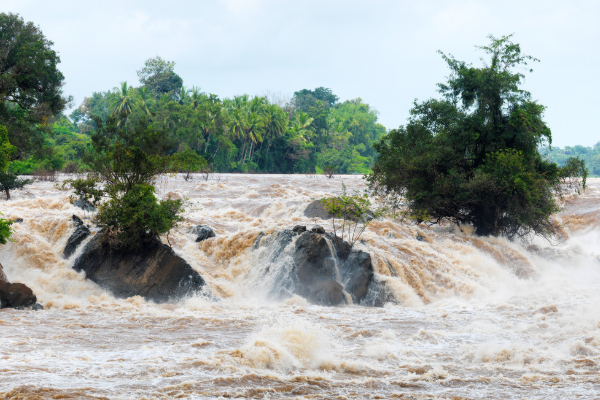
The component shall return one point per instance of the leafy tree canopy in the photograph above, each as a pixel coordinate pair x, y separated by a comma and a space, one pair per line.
472, 156
30, 83
160, 78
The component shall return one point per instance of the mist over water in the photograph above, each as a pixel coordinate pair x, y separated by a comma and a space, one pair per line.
470, 317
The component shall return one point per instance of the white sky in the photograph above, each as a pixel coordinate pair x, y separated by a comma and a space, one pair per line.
383, 51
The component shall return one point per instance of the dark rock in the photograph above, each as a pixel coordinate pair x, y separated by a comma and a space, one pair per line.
357, 272
317, 229
84, 204
202, 232
322, 268
328, 292
317, 209
81, 233
421, 238
16, 295
379, 293
2, 275
257, 241
320, 257
153, 271
19, 220
299, 229
37, 307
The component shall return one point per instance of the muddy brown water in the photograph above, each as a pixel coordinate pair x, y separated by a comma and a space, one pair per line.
474, 318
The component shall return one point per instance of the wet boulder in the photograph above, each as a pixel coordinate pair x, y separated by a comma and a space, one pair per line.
81, 233
322, 268
202, 232
153, 271
85, 205
2, 275
316, 209
317, 229
13, 295
299, 229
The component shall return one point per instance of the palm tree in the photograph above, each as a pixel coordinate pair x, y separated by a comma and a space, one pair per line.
275, 124
144, 100
123, 102
183, 94
195, 96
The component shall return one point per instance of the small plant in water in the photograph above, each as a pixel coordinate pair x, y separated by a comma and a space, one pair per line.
351, 214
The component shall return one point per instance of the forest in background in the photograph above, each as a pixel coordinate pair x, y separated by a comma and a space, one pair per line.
310, 132
590, 154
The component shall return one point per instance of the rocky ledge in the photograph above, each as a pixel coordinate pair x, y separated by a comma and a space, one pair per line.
318, 266
153, 271
16, 295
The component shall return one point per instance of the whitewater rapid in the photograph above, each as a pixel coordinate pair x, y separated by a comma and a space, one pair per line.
470, 318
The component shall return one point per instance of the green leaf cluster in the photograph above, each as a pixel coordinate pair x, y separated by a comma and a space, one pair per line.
473, 156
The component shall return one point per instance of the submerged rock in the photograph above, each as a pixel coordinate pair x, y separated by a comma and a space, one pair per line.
84, 204
202, 232
14, 295
81, 233
154, 271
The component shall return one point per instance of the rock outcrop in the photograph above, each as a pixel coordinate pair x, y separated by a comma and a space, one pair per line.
13, 295
81, 233
316, 209
320, 267
154, 271
2, 275
202, 232
85, 205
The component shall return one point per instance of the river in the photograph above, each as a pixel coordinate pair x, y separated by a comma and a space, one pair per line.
473, 318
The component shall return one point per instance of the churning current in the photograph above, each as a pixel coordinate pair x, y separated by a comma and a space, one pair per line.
467, 317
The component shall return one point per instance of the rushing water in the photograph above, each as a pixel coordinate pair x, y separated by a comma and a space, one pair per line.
473, 318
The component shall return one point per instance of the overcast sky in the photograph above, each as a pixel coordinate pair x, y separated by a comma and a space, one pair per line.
382, 51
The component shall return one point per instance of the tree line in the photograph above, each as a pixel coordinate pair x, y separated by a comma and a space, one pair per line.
307, 133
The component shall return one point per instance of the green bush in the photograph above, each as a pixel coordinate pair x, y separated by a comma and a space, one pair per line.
136, 216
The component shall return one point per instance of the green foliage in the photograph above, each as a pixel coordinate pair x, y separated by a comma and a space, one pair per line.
188, 161
590, 155
473, 157
159, 77
30, 84
6, 149
130, 218
10, 181
5, 230
351, 214
85, 189
125, 161
244, 133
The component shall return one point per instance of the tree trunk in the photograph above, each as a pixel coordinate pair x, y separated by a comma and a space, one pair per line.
7, 191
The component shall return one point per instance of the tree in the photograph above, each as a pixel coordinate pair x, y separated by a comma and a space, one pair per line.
126, 160
10, 181
122, 103
472, 157
188, 161
30, 83
160, 78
